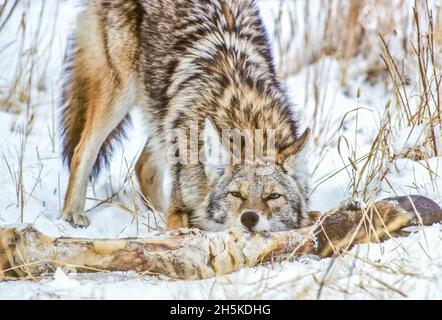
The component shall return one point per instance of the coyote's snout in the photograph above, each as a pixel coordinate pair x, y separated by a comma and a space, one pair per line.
183, 62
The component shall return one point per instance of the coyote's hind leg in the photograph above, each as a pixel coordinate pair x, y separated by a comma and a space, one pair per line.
108, 105
101, 88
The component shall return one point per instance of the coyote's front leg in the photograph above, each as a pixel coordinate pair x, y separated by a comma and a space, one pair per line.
177, 216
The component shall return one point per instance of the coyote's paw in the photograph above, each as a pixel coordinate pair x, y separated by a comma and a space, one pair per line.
76, 218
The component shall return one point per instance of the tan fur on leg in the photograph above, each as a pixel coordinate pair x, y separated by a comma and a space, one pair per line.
150, 179
177, 220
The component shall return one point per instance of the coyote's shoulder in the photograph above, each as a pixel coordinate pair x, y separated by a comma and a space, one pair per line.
183, 62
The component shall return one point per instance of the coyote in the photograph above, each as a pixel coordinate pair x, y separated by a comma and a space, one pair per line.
207, 62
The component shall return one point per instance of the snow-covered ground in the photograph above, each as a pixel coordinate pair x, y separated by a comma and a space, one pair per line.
33, 182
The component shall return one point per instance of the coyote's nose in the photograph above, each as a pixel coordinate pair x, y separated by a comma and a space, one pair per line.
249, 219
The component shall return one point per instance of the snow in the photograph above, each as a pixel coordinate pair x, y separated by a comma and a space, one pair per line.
406, 267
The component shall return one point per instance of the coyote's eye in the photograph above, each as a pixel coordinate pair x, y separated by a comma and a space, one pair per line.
236, 194
273, 196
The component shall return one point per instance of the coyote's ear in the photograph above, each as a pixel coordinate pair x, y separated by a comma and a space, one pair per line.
215, 154
289, 156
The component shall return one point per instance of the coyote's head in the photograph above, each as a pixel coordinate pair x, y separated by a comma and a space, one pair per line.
258, 195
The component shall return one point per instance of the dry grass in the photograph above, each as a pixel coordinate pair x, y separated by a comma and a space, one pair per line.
400, 47
27, 53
